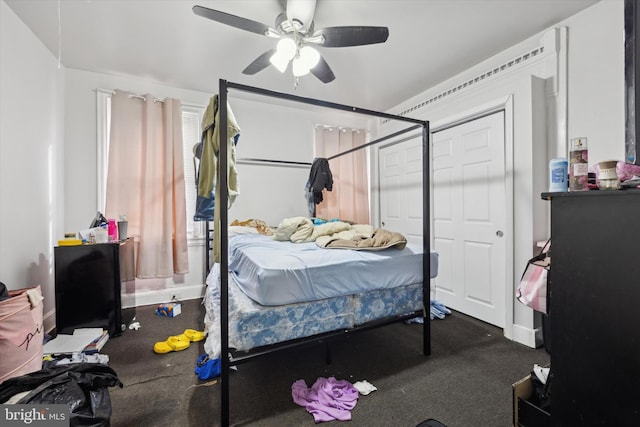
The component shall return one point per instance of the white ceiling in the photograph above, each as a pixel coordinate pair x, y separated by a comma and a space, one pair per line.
162, 40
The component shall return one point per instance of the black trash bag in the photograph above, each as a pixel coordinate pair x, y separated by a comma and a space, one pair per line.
81, 386
542, 395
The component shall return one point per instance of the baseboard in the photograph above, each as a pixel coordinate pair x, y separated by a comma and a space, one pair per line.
164, 295
49, 321
527, 336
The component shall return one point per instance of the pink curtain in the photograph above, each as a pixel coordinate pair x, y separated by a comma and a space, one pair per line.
349, 199
145, 181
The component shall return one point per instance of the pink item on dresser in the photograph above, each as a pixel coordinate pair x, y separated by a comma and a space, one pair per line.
112, 230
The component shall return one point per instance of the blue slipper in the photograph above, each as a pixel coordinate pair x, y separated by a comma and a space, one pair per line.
207, 368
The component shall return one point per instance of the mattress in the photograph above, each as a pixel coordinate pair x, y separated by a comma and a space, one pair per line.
275, 273
253, 325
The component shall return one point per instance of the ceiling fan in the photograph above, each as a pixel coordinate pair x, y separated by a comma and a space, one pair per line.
296, 33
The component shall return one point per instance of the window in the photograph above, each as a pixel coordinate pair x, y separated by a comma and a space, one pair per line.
191, 118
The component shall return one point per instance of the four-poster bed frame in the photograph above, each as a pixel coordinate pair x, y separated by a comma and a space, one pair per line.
226, 360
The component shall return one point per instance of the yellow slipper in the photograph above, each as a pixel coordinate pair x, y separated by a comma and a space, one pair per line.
193, 335
173, 343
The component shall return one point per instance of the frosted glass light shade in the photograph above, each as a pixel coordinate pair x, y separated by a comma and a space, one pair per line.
309, 56
299, 68
279, 61
287, 48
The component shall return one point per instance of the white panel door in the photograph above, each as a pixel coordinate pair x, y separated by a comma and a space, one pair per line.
468, 211
400, 172
469, 217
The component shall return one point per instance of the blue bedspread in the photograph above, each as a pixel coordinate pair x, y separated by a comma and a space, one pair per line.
275, 273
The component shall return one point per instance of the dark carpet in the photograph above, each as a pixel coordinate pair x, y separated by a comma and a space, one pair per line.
465, 382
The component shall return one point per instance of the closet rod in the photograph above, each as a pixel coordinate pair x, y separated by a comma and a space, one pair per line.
286, 162
393, 135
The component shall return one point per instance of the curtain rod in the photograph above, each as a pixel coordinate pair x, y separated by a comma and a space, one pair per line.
184, 104
132, 96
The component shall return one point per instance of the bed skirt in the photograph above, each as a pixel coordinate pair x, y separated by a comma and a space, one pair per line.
252, 325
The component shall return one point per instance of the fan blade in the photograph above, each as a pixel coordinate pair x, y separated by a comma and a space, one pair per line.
232, 20
260, 63
352, 36
322, 71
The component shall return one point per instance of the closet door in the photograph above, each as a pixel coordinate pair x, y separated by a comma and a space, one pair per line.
400, 172
468, 208
469, 214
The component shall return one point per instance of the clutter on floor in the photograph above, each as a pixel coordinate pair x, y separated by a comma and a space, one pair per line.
173, 343
88, 340
206, 368
169, 309
437, 311
327, 399
83, 387
364, 387
178, 342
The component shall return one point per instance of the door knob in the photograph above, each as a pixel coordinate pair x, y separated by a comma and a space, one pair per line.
499, 233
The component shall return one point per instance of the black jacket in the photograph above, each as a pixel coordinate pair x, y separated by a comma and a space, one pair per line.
319, 178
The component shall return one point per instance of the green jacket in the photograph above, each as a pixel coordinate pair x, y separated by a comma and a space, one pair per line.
209, 163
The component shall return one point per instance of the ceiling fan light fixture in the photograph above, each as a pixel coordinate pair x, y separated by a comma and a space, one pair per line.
279, 61
294, 27
309, 57
299, 68
286, 47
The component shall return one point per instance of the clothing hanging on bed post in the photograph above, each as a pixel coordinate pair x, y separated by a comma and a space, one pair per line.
320, 177
218, 148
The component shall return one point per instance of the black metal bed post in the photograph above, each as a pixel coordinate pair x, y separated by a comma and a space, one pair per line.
222, 203
426, 242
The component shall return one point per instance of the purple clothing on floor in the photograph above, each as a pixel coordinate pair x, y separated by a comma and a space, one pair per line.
328, 399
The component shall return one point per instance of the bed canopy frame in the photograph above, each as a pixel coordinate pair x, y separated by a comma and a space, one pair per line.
225, 358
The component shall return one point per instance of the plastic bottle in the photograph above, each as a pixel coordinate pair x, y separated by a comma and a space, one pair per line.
558, 170
578, 165
112, 230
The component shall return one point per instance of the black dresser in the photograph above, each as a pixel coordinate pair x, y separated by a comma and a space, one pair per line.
595, 308
90, 281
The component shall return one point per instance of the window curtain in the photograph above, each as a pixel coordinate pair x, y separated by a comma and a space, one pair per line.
145, 181
349, 199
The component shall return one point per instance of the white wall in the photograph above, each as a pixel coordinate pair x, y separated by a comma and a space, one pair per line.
596, 79
592, 92
31, 144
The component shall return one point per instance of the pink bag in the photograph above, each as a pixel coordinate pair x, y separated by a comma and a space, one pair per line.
532, 289
21, 333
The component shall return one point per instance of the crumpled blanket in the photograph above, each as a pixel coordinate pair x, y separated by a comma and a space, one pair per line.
379, 239
328, 399
300, 229
337, 234
258, 224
